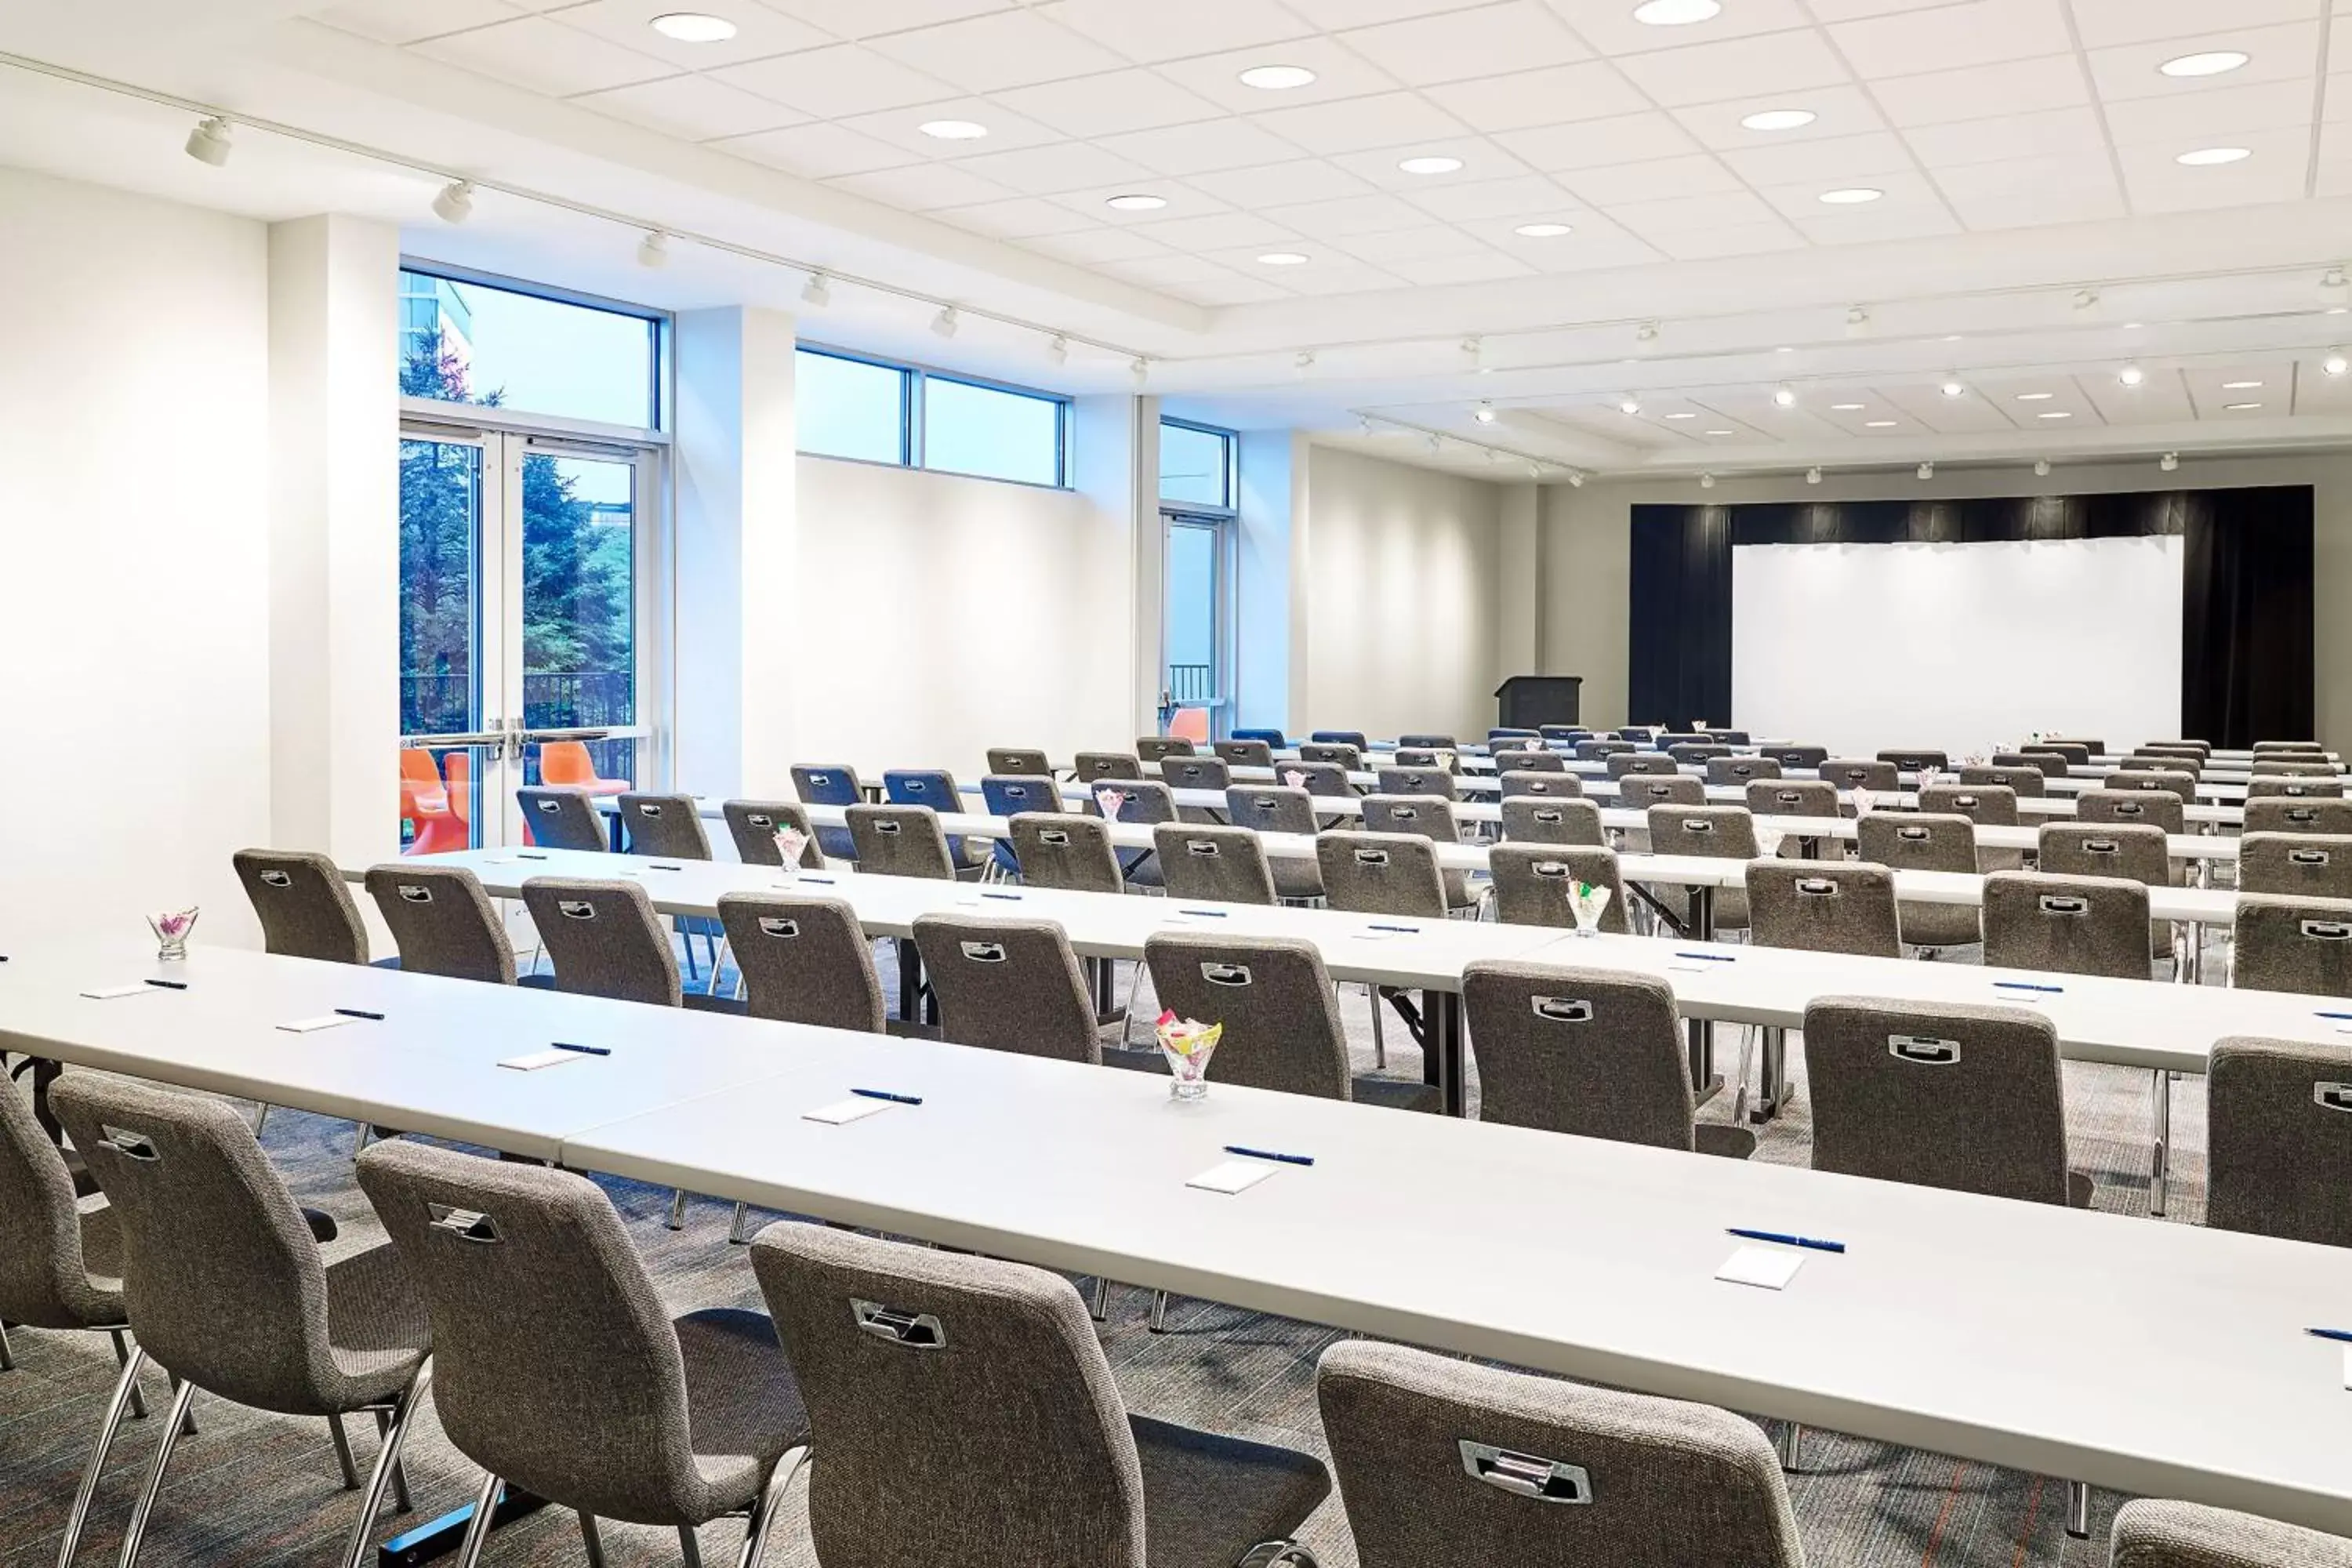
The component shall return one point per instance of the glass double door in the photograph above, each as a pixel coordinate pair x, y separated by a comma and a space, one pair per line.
523, 609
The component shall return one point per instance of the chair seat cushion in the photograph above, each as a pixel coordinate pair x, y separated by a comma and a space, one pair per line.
699, 1003
743, 1410
377, 1327
1145, 1060
1395, 1093
1724, 1140
1208, 1498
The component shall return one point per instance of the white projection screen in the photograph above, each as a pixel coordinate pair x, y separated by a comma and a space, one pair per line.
1862, 648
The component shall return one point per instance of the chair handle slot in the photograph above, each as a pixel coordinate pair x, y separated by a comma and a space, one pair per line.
466, 1224
277, 879
1563, 1009
778, 926
2308, 856
133, 1146
1225, 974
983, 951
1816, 887
2327, 930
1053, 838
915, 1330
1926, 1050
412, 893
2332, 1096
1526, 1475
2065, 904
575, 909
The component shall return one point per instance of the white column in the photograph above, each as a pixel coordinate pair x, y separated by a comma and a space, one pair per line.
1273, 465
1518, 621
334, 531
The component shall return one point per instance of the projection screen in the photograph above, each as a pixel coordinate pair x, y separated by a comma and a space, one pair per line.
1861, 648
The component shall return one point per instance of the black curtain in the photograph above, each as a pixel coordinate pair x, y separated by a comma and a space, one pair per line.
2246, 602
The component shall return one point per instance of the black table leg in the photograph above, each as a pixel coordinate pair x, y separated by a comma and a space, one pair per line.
911, 981
1441, 1048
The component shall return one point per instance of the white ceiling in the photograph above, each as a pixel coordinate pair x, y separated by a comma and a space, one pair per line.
2024, 149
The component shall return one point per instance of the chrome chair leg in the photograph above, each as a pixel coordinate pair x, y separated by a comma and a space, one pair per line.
402, 1502
1379, 1040
136, 1530
1159, 1311
122, 1358
477, 1528
1098, 1304
1789, 1443
188, 1417
771, 1503
393, 1425
343, 1453
2078, 1510
689, 1550
677, 1209
7, 1358
591, 1541
717, 962
126, 1389
738, 1233
2160, 1155
260, 1117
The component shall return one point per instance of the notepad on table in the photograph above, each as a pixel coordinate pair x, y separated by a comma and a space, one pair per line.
1762, 1266
538, 1060
850, 1109
109, 993
1233, 1176
324, 1021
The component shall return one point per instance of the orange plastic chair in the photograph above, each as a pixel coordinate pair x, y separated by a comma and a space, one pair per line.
424, 801
566, 764
459, 767
1190, 724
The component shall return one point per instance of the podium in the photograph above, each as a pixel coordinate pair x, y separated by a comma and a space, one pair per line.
1531, 702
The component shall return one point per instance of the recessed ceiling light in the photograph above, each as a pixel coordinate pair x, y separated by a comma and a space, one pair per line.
1779, 119
1682, 415
1437, 164
2055, 414
953, 129
1629, 404
1852, 195
1281, 258
2207, 157
1878, 424
1542, 230
1845, 407
2131, 375
1786, 396
1137, 202
1276, 78
1484, 414
2212, 62
694, 28
2240, 407
2239, 385
1677, 13
2035, 396
1953, 389
2335, 363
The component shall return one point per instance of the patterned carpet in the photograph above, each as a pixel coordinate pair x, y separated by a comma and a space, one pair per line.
255, 1490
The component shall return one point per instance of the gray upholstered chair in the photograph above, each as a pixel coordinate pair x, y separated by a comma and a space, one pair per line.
1531, 883
965, 1412
1986, 805
2020, 779
1911, 762
1442, 1461
1063, 850
1009, 985
900, 841
1145, 803
1327, 779
2155, 809
1435, 743
558, 818
665, 826
830, 783
442, 921
1021, 762
1540, 819
1593, 1052
754, 824
2270, 814
2304, 945
1741, 770
1922, 841
1427, 819
1860, 772
224, 1289
2153, 1534
1798, 759
2170, 781
2130, 850
1337, 753
1651, 763
1526, 762
1697, 753
1280, 808
1599, 751
804, 959
1158, 748
604, 939
559, 1370
1792, 797
1196, 773
2069, 925
2266, 787
1522, 781
1823, 906
1244, 754
1381, 874
2073, 753
1217, 864
1094, 767
1724, 831
1415, 781
2277, 767
2049, 764
1959, 1097
2278, 1154
1641, 790
304, 906
2295, 865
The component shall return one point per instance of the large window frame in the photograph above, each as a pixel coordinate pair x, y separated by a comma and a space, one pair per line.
661, 393
914, 381
1222, 523
1230, 508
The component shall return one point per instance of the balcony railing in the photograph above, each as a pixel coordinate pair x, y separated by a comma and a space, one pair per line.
1192, 683
444, 705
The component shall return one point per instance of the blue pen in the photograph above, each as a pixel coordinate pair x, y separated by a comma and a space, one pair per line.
1220, 915
1016, 897
583, 1050
170, 985
2344, 1335
2332, 1014
1805, 1241
1709, 957
526, 855
2025, 986
358, 1013
826, 880
886, 1094
1270, 1154
1408, 931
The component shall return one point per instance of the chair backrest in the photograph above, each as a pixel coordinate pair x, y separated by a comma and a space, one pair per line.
753, 825
442, 921
221, 1277
1740, 770
604, 939
1563, 734
1196, 773
1792, 797
2072, 925
1653, 762
1381, 874
2278, 1157
664, 825
1158, 748
2020, 780
1092, 766
1598, 751
1009, 985
900, 841
1542, 819
2266, 787
1270, 808
1145, 801
830, 783
1338, 753
1822, 906
804, 960
1273, 738
2293, 944
2104, 849
1424, 757
932, 787
1526, 762
1355, 738
1444, 1461
1244, 754
562, 818
2277, 767
2169, 780
1532, 883
1273, 997
1651, 789
555, 1365
1987, 805
2295, 865
1860, 772
1911, 762
1917, 841
2073, 753
2049, 764
44, 1282
1958, 1096
2152, 1534
956, 1399
2088, 745
1690, 753
1327, 779
305, 908
1431, 818
1598, 1053
1215, 863
1065, 850
1725, 830
1024, 762
1008, 794
1796, 759
2272, 814
1430, 743
1414, 781
1561, 785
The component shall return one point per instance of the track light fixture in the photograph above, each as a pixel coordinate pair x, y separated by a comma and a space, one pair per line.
1475, 351
1303, 362
2168, 462
946, 323
1057, 349
2334, 289
1436, 445
1535, 470
1707, 481
1576, 478
1140, 370
2086, 299
455, 204
1648, 332
1857, 322
210, 141
654, 249
2041, 468
817, 291
1484, 414
1926, 471
1812, 476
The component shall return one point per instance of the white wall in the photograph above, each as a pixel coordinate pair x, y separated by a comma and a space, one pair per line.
134, 493
1400, 571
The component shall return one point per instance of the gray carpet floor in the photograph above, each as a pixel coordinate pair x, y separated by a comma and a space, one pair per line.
254, 1489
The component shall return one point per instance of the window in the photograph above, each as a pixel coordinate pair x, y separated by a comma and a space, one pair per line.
877, 412
1196, 466
465, 341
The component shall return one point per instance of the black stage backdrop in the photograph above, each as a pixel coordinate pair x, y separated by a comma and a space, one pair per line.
2245, 599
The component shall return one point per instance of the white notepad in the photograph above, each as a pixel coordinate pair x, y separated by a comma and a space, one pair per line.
538, 1060
1686, 967
1233, 1176
1764, 1267
109, 993
324, 1021
1370, 935
855, 1109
